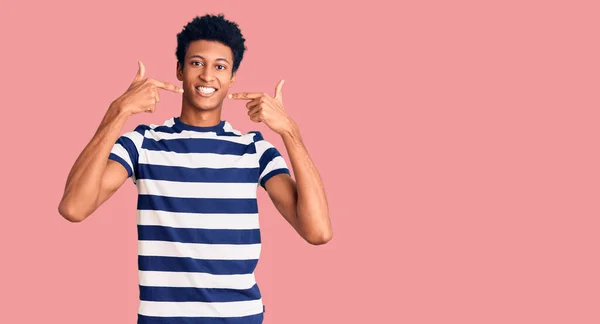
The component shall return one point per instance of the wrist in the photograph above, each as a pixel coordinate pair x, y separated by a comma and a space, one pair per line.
118, 108
291, 130
116, 113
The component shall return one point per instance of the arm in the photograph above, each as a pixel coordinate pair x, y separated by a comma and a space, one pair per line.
94, 178
303, 202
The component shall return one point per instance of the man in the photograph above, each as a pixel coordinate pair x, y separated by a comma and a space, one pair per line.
197, 177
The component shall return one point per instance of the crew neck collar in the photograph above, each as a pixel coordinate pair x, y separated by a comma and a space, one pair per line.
216, 128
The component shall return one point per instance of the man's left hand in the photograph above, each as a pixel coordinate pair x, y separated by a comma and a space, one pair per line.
266, 109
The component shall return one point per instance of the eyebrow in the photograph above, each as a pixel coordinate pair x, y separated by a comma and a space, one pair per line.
218, 59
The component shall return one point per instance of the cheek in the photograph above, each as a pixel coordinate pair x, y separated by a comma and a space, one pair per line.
225, 79
225, 84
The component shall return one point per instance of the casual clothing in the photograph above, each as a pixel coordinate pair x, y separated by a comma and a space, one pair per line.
197, 219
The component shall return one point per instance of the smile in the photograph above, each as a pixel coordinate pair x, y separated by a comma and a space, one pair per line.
205, 91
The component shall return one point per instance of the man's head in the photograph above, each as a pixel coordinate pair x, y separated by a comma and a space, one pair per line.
209, 52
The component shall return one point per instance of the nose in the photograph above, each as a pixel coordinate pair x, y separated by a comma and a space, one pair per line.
207, 74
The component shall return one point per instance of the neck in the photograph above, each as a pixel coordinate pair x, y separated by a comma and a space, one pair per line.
200, 118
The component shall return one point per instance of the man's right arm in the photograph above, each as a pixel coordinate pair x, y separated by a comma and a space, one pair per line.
94, 178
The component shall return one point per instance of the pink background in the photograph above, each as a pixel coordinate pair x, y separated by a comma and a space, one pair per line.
458, 144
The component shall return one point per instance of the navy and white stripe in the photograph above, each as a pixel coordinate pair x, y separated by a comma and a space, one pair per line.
198, 226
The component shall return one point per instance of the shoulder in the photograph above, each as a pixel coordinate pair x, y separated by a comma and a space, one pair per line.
145, 129
262, 145
256, 136
250, 137
142, 132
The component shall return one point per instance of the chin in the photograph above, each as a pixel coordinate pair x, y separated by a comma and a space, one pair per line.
202, 104
205, 106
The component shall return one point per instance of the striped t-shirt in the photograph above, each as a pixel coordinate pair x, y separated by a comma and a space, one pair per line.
197, 219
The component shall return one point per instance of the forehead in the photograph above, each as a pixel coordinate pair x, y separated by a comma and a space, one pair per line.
210, 50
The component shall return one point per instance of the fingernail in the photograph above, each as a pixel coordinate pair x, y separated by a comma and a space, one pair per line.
181, 90
230, 96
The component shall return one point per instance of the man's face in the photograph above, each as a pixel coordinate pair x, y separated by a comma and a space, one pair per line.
206, 74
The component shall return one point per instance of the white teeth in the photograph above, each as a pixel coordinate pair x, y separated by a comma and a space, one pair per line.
206, 90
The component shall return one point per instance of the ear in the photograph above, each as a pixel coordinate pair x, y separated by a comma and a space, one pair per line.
232, 81
179, 72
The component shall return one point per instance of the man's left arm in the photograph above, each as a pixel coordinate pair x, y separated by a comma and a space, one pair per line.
302, 202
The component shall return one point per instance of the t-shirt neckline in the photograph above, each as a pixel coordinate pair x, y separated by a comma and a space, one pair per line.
216, 128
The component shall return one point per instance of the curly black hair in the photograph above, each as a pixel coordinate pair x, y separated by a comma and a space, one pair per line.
214, 28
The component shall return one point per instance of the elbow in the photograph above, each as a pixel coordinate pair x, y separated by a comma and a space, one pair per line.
70, 214
318, 232
319, 238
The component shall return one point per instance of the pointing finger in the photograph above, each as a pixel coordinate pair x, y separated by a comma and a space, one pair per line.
167, 86
245, 95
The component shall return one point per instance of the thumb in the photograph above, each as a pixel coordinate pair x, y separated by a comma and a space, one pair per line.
141, 71
278, 92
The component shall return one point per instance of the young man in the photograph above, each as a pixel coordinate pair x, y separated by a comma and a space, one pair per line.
197, 177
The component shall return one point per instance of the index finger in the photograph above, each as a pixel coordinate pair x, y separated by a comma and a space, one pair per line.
167, 86
245, 95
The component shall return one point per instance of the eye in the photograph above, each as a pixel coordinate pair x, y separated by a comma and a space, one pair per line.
199, 63
221, 67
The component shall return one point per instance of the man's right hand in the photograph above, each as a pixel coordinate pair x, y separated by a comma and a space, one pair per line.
142, 95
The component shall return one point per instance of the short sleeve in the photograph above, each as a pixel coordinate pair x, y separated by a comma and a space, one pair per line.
270, 161
126, 151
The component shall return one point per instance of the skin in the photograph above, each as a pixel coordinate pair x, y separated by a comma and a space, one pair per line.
206, 63
94, 179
